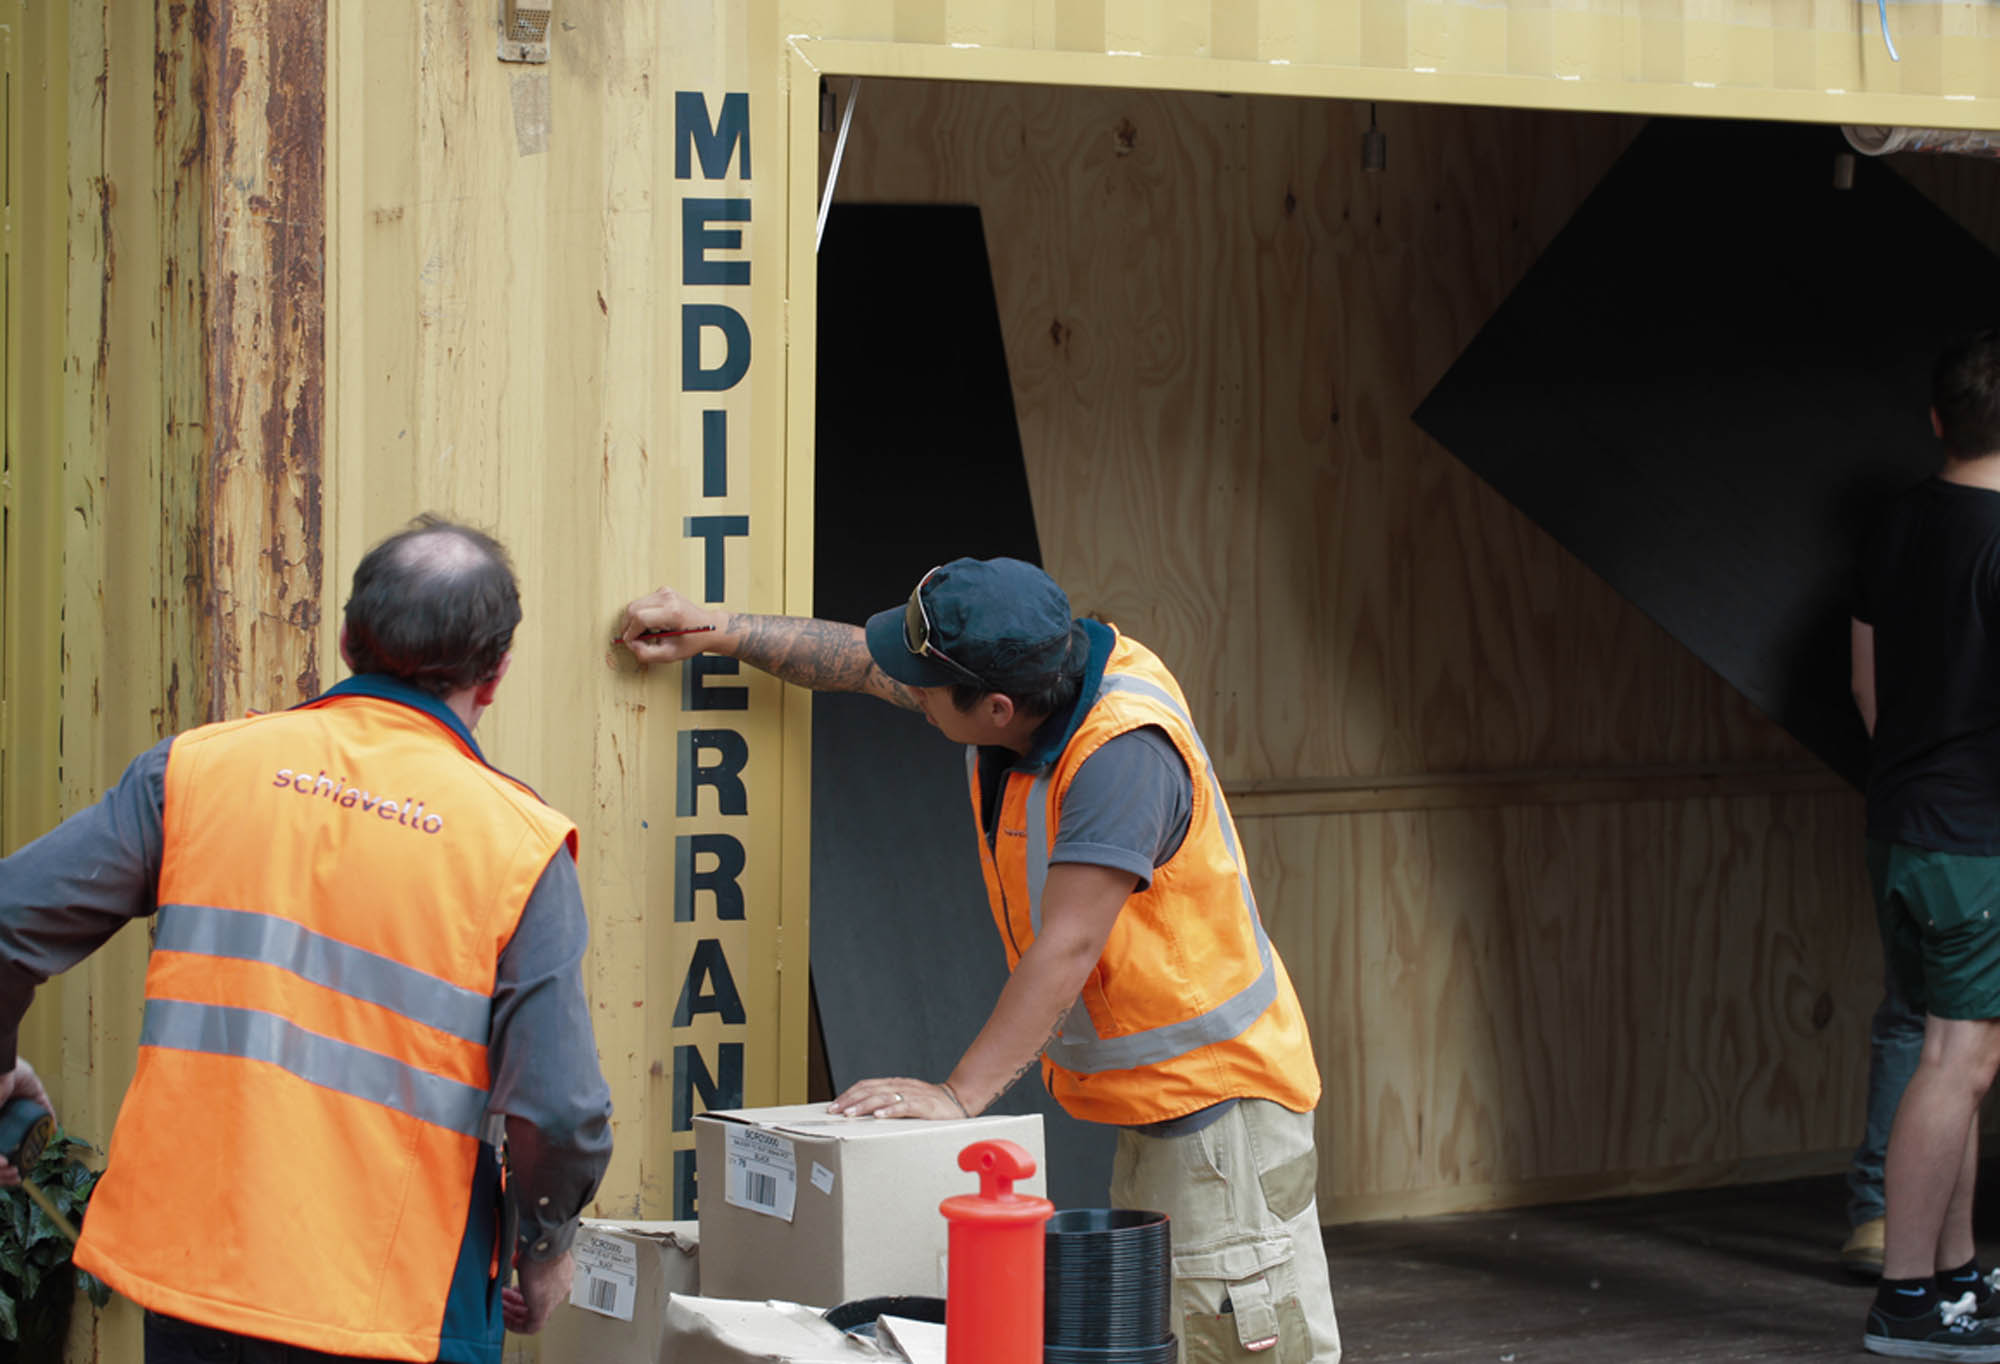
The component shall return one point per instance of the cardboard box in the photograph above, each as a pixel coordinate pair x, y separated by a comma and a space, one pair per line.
617, 1308
802, 1205
723, 1331
919, 1342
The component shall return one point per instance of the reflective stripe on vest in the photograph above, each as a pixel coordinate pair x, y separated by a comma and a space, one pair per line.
367, 976
1079, 1049
255, 1035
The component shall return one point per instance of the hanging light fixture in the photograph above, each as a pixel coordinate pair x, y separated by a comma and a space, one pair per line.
1374, 145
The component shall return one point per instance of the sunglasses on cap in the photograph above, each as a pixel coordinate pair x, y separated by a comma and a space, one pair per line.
917, 635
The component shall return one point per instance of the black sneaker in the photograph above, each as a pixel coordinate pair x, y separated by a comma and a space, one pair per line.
1985, 1291
1950, 1330
1987, 1295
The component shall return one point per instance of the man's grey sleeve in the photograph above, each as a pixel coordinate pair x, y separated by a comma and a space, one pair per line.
543, 1060
64, 895
1128, 806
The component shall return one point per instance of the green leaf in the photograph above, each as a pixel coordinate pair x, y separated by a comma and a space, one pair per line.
37, 1281
42, 1230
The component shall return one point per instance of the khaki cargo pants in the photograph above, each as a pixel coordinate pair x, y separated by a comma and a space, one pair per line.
1249, 1265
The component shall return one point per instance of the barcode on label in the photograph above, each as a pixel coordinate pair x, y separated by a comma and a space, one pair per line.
762, 1172
607, 1273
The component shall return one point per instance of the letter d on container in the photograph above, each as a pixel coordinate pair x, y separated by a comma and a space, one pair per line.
993, 1299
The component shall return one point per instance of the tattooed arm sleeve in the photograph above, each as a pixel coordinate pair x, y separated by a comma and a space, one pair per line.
820, 655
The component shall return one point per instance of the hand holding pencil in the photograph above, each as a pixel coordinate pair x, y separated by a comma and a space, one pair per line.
665, 627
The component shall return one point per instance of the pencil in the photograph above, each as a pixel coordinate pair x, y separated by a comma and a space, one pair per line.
664, 634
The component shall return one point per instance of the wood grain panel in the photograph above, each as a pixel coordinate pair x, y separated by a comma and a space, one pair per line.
1966, 187
1567, 914
1581, 786
1214, 354
1575, 998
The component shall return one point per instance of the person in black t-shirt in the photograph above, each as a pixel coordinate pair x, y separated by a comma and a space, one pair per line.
1926, 654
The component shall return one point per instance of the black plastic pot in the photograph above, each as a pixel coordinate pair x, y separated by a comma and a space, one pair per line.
862, 1312
1107, 1284
1163, 1353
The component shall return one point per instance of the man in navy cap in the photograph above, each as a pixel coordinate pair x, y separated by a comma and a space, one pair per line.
1141, 976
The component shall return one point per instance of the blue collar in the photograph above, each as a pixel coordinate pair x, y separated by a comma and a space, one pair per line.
382, 687
1056, 731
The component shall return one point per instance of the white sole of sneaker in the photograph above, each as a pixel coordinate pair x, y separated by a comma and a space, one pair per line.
1919, 1349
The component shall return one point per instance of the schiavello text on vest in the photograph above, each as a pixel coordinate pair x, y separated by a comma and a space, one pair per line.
406, 812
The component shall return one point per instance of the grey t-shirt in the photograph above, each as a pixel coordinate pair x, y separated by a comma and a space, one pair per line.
1128, 806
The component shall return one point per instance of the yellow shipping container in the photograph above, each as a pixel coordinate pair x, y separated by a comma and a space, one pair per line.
278, 276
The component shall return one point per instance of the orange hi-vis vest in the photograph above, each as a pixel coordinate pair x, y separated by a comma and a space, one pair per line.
1189, 1004
300, 1156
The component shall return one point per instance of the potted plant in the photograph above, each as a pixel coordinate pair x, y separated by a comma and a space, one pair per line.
38, 1283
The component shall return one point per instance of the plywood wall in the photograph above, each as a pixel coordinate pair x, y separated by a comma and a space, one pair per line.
1966, 187
1568, 915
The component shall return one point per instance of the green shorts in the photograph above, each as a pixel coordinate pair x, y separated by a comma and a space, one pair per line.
1940, 919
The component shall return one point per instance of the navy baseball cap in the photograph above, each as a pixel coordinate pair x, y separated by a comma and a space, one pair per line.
1000, 624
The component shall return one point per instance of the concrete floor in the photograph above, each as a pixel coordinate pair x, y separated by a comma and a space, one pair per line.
1747, 1273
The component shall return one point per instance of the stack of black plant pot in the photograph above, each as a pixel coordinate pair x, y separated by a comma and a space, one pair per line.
1108, 1288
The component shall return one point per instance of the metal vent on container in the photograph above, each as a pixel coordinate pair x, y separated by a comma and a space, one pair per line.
524, 31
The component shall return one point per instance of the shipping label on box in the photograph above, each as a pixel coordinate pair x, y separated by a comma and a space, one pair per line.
763, 1173
607, 1274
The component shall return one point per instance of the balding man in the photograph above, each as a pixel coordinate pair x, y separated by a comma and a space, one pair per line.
365, 967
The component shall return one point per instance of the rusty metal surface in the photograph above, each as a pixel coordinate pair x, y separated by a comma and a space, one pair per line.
262, 511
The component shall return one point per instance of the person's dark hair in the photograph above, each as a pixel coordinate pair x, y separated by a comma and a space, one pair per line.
1059, 694
434, 605
1965, 391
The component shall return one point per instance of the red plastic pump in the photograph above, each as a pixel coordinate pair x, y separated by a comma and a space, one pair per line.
993, 1297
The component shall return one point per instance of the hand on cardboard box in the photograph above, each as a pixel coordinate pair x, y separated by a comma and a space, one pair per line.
898, 1096
544, 1283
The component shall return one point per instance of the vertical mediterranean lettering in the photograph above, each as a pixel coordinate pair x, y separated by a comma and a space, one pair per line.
711, 138
698, 694
714, 453
724, 775
711, 142
715, 533
698, 239
708, 987
727, 372
721, 1089
719, 879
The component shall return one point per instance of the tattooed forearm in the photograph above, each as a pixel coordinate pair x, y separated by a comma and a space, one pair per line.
817, 654
1032, 1061
821, 655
